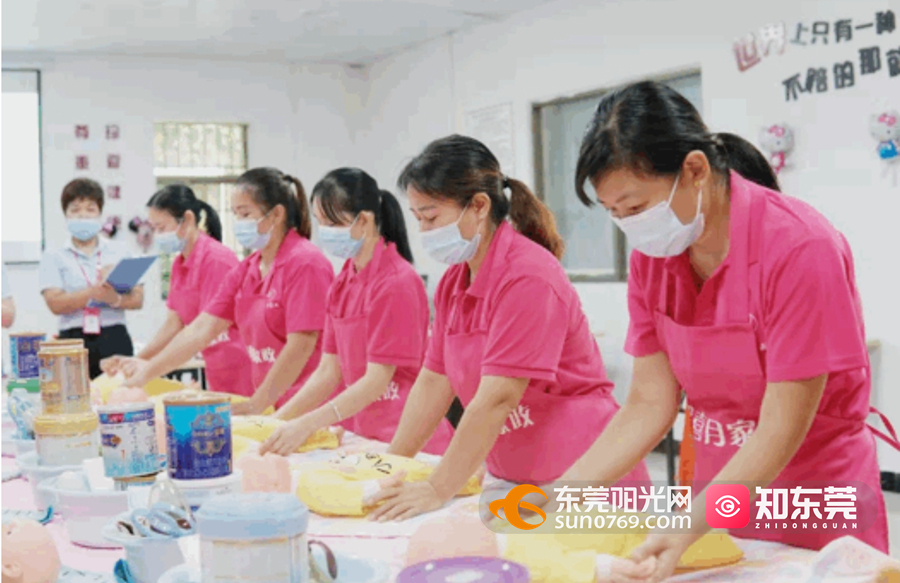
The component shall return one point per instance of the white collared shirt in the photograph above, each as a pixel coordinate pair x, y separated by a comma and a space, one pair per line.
66, 268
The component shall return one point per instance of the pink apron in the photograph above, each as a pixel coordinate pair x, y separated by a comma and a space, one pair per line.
380, 419
728, 392
252, 313
227, 365
545, 434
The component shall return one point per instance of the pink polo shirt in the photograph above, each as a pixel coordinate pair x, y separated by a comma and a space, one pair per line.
391, 296
194, 283
534, 323
290, 299
808, 307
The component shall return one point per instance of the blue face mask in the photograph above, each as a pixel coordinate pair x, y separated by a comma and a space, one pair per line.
84, 229
247, 234
170, 243
337, 241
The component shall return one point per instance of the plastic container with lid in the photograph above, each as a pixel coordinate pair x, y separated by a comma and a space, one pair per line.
65, 387
66, 439
253, 537
196, 492
481, 569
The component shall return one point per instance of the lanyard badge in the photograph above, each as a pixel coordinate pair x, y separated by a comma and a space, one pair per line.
91, 324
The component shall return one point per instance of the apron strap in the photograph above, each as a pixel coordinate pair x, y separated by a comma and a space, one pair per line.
891, 439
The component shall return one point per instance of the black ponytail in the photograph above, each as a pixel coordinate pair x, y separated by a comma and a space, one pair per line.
393, 225
650, 128
351, 191
177, 199
743, 157
271, 187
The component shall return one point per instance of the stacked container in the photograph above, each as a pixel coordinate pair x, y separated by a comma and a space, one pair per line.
66, 431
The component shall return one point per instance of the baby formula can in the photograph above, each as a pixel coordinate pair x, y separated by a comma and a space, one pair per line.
23, 354
198, 436
128, 439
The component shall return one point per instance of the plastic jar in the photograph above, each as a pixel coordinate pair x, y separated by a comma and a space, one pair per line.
66, 439
256, 537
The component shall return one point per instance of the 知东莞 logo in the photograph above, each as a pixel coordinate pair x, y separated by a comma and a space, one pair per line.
727, 506
510, 506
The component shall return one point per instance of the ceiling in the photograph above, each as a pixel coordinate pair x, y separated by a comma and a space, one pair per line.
346, 31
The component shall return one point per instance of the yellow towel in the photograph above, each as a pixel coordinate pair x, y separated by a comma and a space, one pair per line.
556, 558
342, 486
241, 445
260, 427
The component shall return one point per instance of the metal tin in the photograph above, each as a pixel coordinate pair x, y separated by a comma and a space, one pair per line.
128, 439
66, 439
198, 436
23, 353
122, 484
64, 380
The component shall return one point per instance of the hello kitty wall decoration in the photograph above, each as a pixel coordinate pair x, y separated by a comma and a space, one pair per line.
885, 128
778, 141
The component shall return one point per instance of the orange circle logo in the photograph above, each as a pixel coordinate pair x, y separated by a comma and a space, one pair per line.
510, 506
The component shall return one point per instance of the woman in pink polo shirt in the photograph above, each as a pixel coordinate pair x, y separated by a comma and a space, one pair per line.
509, 335
275, 297
377, 321
190, 228
741, 297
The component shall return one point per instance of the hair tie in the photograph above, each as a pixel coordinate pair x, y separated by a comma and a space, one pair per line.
506, 182
718, 141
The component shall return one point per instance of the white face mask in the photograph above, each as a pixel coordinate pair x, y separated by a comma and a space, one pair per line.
446, 244
657, 232
337, 241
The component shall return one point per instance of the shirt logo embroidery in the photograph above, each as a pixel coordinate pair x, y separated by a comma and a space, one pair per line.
520, 418
392, 393
260, 356
223, 337
709, 431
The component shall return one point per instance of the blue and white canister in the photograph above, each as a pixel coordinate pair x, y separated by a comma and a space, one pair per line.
128, 440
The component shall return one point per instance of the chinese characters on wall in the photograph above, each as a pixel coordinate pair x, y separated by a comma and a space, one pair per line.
869, 59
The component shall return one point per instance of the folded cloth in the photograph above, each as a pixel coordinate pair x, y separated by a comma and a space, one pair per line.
260, 427
346, 485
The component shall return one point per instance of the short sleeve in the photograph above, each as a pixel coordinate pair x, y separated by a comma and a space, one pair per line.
813, 321
641, 339
396, 320
49, 276
527, 331
222, 304
434, 354
305, 297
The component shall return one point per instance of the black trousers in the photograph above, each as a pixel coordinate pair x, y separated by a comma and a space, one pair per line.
112, 340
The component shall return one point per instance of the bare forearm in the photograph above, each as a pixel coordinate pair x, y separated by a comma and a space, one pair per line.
478, 430
357, 397
288, 366
185, 345
66, 303
133, 300
170, 328
9, 312
319, 387
425, 408
630, 435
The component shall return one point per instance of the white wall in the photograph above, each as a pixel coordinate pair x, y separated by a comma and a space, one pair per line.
296, 117
565, 48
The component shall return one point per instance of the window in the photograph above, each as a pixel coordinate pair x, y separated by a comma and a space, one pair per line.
595, 249
209, 158
22, 188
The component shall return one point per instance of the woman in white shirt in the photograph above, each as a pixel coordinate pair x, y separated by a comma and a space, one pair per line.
72, 279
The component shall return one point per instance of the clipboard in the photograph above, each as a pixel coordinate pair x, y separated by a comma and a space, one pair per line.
128, 272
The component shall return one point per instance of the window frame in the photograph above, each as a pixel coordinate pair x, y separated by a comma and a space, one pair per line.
40, 96
620, 250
